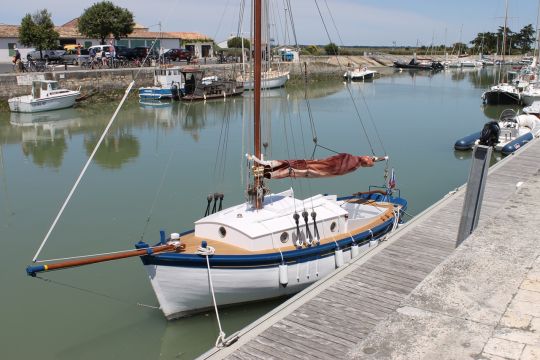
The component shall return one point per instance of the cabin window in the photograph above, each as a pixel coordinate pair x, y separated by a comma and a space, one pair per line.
222, 231
284, 237
54, 86
333, 226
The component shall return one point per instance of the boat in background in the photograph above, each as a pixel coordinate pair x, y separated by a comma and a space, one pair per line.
199, 87
168, 84
415, 64
502, 94
514, 132
46, 95
360, 74
271, 79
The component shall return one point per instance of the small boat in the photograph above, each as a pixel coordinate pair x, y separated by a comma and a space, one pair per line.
271, 79
168, 84
199, 87
533, 109
502, 94
514, 132
531, 94
415, 64
46, 95
360, 74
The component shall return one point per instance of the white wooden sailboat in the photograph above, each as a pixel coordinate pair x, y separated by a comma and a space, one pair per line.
271, 245
46, 95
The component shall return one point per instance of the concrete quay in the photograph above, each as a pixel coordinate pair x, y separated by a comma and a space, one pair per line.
417, 297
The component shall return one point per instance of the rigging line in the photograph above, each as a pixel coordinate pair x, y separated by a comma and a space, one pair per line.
83, 171
95, 293
361, 92
293, 28
83, 256
221, 19
347, 85
241, 18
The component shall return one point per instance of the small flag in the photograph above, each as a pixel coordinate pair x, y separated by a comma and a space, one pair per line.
392, 180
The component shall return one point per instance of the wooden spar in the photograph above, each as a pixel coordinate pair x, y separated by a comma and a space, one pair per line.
257, 98
32, 270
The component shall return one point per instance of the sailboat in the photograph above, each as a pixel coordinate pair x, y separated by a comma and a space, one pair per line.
270, 78
271, 245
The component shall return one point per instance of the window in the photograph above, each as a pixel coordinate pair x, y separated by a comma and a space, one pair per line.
284, 237
11, 49
222, 231
333, 226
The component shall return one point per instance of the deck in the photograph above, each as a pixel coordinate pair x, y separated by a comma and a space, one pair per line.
330, 317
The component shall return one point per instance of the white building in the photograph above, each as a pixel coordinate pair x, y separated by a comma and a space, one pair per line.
201, 45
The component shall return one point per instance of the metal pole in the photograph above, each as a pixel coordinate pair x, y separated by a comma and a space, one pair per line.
475, 191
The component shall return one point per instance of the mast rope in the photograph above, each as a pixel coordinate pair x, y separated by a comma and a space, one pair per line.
53, 225
207, 251
95, 293
347, 84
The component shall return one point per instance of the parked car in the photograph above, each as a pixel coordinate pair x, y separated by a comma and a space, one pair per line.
71, 57
48, 55
178, 54
142, 51
125, 52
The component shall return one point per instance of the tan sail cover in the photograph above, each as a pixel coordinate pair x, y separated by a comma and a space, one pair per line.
336, 165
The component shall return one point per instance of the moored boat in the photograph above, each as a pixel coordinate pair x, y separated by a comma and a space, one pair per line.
168, 84
360, 74
46, 95
199, 87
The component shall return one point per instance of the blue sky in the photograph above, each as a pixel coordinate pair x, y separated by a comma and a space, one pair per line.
359, 22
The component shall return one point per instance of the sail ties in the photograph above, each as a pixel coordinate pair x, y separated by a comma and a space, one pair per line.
336, 165
309, 237
315, 229
298, 241
215, 197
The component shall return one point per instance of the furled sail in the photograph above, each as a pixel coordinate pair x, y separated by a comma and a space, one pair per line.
336, 165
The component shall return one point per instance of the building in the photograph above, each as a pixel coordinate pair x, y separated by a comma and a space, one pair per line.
201, 45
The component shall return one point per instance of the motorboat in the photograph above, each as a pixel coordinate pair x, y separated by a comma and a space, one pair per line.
46, 95
168, 84
515, 131
360, 74
502, 94
197, 86
415, 64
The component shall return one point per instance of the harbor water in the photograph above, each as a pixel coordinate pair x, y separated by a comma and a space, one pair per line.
154, 171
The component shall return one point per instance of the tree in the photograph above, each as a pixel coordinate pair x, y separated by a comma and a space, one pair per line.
524, 39
312, 50
37, 30
236, 42
104, 19
331, 49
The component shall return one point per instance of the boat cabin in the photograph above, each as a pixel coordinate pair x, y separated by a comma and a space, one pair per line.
199, 87
45, 88
166, 77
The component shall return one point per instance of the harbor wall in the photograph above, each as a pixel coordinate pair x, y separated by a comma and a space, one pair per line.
88, 80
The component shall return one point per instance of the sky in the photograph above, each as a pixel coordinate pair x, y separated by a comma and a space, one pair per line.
349, 22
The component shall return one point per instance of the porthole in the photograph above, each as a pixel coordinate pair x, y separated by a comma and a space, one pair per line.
222, 231
333, 226
284, 237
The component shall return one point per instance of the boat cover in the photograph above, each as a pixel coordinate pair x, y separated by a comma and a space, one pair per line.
336, 165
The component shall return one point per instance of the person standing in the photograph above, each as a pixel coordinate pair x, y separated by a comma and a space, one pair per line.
17, 59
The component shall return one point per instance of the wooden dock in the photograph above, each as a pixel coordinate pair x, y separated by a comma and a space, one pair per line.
330, 317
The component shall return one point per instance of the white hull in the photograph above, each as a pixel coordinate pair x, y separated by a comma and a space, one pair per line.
269, 81
529, 98
28, 105
185, 290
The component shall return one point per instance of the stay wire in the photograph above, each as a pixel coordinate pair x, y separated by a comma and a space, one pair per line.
95, 293
361, 92
347, 85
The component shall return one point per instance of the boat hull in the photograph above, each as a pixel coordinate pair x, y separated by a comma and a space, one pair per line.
184, 290
26, 104
500, 98
155, 93
268, 83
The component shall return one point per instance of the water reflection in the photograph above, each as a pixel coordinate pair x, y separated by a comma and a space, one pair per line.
116, 149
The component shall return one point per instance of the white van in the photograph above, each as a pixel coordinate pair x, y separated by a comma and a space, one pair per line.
99, 49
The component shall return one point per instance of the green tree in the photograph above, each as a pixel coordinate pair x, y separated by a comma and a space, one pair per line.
312, 50
38, 31
236, 42
524, 39
104, 19
331, 49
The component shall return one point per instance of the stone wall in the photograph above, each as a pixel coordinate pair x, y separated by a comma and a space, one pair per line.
89, 80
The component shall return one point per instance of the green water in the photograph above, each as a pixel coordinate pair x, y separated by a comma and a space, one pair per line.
160, 163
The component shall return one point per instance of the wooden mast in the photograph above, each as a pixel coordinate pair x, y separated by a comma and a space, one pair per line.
257, 100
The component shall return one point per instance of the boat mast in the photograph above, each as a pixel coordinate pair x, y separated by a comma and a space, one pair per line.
258, 182
504, 32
